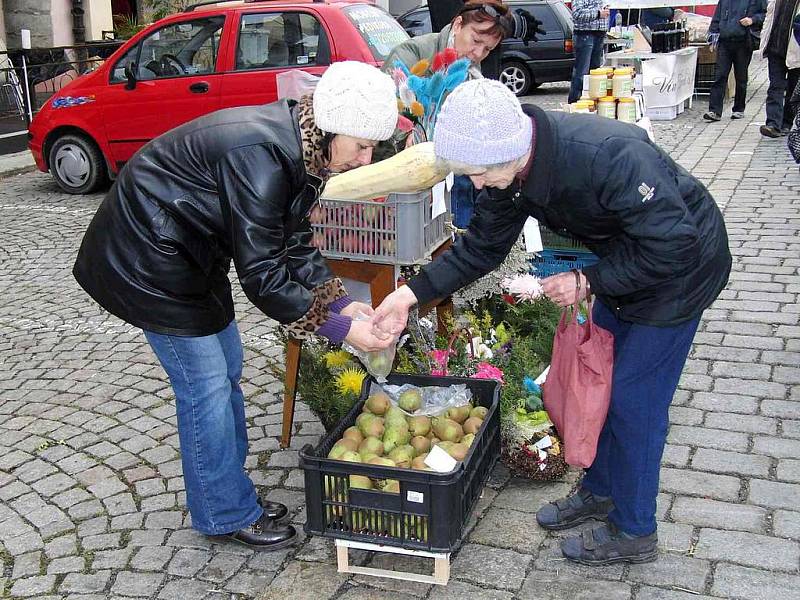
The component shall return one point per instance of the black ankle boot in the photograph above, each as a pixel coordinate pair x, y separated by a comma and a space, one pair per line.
274, 510
265, 534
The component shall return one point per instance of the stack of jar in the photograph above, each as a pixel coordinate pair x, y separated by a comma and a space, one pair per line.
610, 94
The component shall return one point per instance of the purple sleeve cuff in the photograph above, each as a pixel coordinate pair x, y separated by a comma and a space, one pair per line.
335, 328
337, 305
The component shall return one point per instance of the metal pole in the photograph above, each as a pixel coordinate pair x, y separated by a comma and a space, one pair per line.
29, 113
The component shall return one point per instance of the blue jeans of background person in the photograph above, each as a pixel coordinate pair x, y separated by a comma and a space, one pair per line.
736, 54
462, 200
588, 47
204, 373
781, 85
647, 366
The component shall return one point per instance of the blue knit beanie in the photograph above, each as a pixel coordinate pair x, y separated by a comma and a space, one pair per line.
481, 123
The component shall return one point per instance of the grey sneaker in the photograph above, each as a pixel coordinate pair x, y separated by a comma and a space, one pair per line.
572, 510
712, 116
737, 115
771, 132
606, 545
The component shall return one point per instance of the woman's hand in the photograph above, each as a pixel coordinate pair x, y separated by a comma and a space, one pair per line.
365, 337
563, 290
356, 307
746, 22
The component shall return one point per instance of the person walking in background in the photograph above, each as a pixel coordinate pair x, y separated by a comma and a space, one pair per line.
735, 22
591, 23
782, 51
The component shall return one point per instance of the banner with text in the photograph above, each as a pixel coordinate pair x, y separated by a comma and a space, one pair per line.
669, 78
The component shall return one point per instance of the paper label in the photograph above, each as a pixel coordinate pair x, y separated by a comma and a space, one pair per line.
543, 443
448, 181
417, 497
533, 237
440, 461
439, 205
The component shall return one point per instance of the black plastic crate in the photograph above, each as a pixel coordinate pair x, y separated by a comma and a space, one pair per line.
431, 510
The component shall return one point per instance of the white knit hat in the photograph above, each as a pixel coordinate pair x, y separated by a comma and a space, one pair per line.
481, 123
356, 99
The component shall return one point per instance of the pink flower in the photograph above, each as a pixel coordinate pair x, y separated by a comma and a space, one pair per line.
487, 371
523, 287
441, 357
439, 372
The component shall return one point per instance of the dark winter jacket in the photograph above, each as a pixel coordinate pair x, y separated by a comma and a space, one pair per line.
728, 13
659, 234
231, 185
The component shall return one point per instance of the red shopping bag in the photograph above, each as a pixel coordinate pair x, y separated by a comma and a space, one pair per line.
577, 390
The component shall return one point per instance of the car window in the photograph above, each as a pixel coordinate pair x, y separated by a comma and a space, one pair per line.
417, 22
178, 50
380, 31
278, 39
566, 16
550, 22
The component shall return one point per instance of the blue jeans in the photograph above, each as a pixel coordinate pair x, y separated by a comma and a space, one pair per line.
588, 55
647, 366
204, 373
462, 201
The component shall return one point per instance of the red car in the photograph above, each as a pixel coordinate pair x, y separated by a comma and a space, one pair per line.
210, 56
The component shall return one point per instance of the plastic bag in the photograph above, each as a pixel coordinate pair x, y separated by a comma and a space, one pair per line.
577, 392
295, 83
435, 399
378, 363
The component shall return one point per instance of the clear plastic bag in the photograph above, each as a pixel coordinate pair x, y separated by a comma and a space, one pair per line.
378, 363
434, 400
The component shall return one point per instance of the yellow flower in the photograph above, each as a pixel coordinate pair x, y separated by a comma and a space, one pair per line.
400, 106
420, 68
417, 109
350, 380
336, 359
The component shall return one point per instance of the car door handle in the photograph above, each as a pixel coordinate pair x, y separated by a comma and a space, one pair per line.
201, 87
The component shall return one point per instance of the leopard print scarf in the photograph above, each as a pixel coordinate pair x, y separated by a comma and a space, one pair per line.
311, 139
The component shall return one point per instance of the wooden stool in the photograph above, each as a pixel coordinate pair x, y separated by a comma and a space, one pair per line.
381, 280
441, 563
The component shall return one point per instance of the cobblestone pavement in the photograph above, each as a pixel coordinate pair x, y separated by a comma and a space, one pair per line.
91, 493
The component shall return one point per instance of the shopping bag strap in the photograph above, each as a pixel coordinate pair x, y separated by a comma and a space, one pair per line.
587, 297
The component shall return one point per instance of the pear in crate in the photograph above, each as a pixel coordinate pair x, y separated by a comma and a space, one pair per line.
419, 425
371, 445
395, 416
472, 425
447, 430
402, 456
382, 461
410, 400
392, 486
360, 482
479, 411
378, 403
459, 414
419, 463
412, 170
468, 439
354, 434
395, 436
421, 444
372, 427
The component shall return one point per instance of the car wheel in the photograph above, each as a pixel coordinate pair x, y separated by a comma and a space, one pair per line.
516, 77
77, 164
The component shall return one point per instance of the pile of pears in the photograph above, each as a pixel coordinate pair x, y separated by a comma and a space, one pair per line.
386, 436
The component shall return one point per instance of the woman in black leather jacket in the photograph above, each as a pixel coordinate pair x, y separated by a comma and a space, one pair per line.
233, 186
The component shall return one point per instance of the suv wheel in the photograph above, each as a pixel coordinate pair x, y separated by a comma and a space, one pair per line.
77, 164
516, 77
